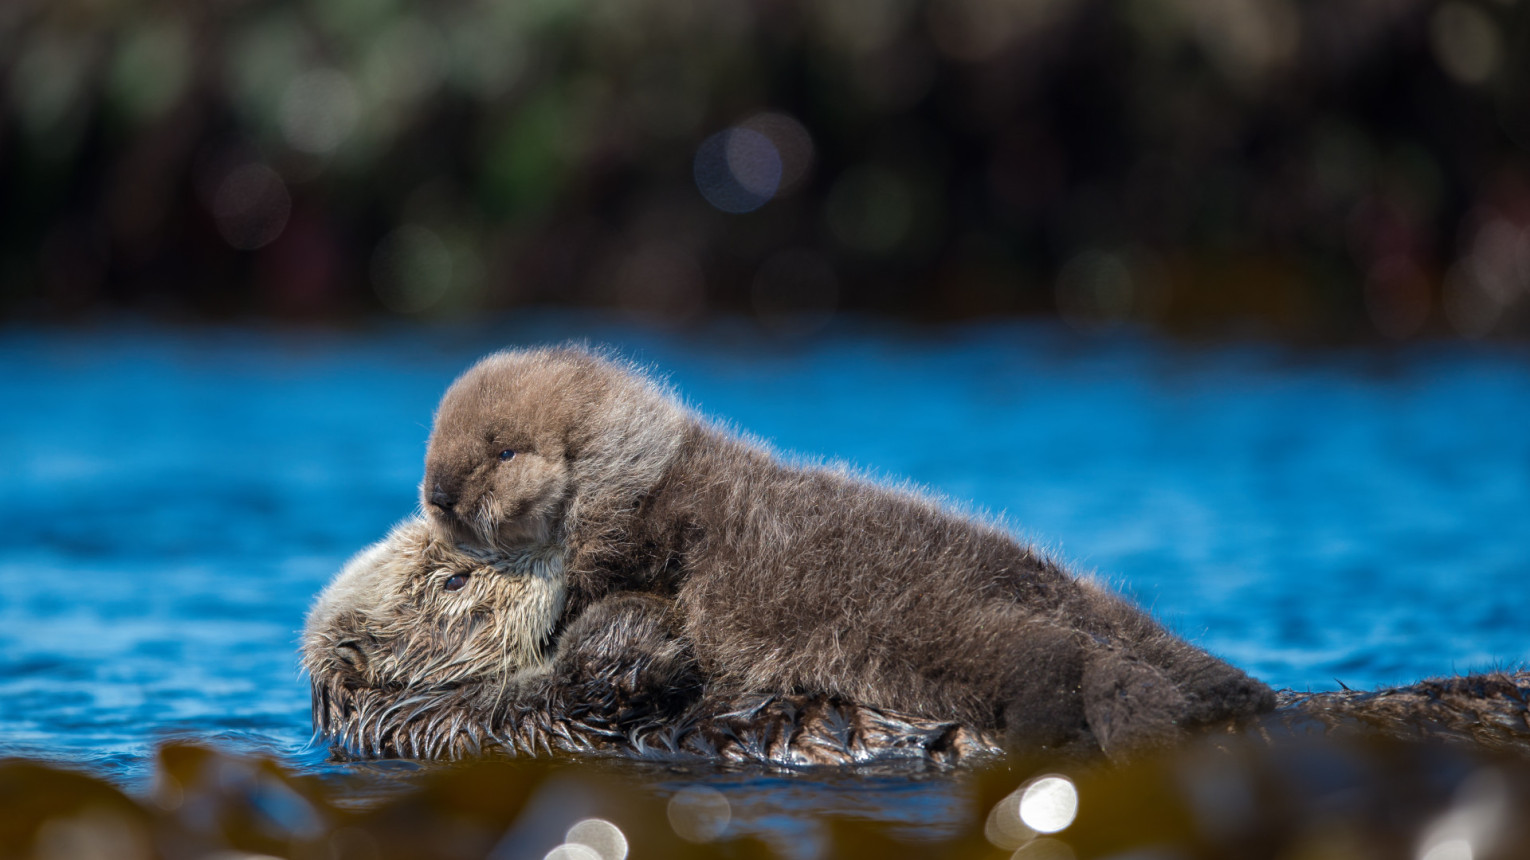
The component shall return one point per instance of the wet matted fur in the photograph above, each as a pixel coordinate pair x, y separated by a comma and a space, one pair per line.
792, 579
1490, 710
403, 667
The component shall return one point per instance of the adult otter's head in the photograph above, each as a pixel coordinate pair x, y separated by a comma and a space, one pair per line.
526, 441
409, 645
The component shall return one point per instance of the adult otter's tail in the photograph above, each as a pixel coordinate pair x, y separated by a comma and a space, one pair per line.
1491, 710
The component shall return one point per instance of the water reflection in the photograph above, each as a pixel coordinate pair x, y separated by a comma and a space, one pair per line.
738, 170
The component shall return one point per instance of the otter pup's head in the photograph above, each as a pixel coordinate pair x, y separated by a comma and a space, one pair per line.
413, 622
526, 440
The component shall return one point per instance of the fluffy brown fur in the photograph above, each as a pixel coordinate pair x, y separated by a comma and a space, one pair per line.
804, 580
403, 667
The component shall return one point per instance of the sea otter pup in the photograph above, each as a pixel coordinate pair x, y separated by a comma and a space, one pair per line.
420, 649
791, 579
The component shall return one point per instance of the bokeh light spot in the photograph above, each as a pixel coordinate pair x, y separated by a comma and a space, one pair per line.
1049, 804
261, 61
1246, 38
484, 61
699, 814
251, 206
1465, 41
605, 838
1004, 829
319, 110
1500, 256
572, 851
1450, 849
738, 170
406, 63
793, 145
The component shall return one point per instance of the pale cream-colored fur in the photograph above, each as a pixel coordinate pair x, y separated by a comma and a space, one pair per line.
391, 603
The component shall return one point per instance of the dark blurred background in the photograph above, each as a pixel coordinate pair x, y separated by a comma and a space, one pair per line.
1315, 170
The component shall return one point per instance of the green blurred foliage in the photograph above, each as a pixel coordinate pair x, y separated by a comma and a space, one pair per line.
1311, 169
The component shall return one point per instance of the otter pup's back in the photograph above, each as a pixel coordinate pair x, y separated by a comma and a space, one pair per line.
801, 579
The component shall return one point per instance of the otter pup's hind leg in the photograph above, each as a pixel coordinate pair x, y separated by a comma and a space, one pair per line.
1215, 691
1219, 692
1130, 705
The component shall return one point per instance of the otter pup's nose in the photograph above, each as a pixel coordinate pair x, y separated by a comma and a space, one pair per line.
442, 499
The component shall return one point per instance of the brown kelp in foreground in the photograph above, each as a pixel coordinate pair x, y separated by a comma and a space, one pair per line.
1220, 796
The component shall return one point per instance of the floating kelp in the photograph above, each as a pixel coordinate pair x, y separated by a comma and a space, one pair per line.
1221, 796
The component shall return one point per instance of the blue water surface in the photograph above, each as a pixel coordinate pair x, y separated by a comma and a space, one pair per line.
172, 499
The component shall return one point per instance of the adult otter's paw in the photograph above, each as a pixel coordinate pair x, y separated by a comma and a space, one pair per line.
1130, 706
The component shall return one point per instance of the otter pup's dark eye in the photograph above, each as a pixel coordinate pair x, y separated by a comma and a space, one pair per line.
506, 454
456, 582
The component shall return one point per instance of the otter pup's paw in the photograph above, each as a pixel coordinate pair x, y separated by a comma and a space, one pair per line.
624, 649
1130, 706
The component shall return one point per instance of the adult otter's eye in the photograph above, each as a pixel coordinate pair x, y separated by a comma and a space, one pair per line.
456, 582
506, 454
